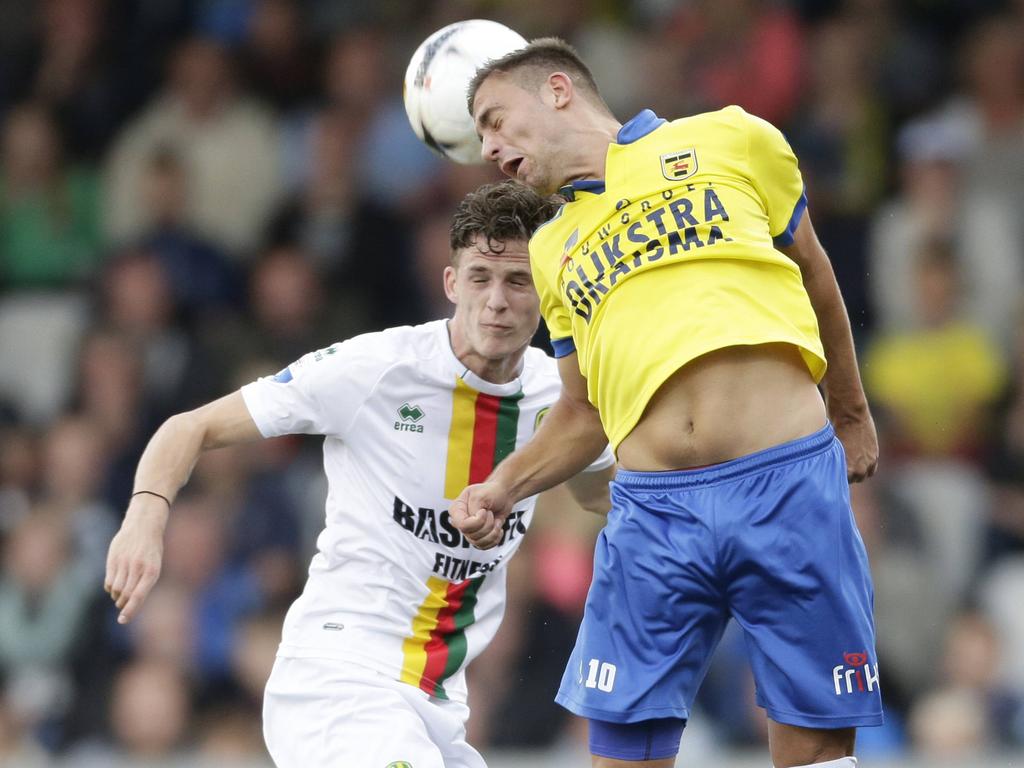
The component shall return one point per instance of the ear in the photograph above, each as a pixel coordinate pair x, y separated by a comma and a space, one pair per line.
449, 284
561, 89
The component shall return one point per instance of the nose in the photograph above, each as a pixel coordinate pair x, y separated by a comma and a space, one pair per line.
489, 149
497, 301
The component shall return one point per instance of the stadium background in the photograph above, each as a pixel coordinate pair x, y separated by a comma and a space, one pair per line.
192, 194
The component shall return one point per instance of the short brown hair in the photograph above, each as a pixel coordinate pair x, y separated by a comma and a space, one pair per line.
535, 63
498, 212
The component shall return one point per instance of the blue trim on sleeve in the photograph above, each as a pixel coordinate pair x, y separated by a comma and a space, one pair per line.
639, 126
785, 237
563, 347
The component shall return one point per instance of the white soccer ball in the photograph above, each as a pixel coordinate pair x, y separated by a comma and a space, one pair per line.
438, 77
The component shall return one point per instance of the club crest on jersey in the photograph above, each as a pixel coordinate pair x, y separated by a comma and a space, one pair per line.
399, 764
676, 166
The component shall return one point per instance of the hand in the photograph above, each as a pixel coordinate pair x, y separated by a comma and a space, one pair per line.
480, 511
133, 562
856, 431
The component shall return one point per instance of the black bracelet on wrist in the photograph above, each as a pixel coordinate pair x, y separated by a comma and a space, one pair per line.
153, 493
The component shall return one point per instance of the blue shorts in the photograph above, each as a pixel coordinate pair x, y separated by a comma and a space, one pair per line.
768, 539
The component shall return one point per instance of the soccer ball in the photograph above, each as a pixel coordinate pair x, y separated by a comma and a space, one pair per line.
438, 77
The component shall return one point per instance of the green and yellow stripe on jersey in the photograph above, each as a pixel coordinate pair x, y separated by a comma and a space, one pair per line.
482, 433
437, 647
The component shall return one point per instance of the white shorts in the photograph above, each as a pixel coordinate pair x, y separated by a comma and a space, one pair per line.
326, 713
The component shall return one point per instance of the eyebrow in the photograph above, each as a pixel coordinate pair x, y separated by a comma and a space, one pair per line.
485, 118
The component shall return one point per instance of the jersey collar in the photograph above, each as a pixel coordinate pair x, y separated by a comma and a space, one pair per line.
474, 381
636, 128
639, 126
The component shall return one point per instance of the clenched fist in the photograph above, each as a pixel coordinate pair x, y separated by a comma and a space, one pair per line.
480, 511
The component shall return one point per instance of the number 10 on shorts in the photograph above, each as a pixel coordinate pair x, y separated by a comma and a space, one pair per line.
601, 675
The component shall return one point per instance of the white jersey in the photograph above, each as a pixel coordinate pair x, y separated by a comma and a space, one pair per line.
394, 586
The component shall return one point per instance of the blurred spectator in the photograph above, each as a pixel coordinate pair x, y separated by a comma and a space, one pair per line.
287, 314
356, 70
74, 465
228, 145
165, 631
49, 225
737, 52
249, 488
19, 473
253, 655
111, 394
432, 255
840, 137
201, 277
972, 710
138, 302
277, 60
68, 64
150, 714
909, 61
231, 736
950, 724
936, 205
1006, 463
990, 113
17, 748
221, 594
935, 384
44, 593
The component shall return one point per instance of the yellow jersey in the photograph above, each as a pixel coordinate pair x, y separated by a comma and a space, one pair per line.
673, 255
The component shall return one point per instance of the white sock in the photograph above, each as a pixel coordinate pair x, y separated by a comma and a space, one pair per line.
842, 762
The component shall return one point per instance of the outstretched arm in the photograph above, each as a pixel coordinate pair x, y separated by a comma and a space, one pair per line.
569, 439
136, 552
844, 393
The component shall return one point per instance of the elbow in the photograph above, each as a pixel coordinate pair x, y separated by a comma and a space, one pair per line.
189, 426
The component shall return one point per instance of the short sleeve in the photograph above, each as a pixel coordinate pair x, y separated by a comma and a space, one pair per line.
776, 176
319, 394
554, 312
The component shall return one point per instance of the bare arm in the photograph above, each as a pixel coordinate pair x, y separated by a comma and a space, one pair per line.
844, 393
136, 552
569, 439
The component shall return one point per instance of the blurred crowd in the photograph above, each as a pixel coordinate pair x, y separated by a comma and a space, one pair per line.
194, 193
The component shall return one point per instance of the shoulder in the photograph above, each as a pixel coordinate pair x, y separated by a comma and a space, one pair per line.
369, 355
732, 116
540, 375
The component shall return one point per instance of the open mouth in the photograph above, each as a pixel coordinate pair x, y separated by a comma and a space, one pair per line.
511, 167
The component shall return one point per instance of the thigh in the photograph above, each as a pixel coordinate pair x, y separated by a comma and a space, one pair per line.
446, 725
317, 712
800, 587
653, 616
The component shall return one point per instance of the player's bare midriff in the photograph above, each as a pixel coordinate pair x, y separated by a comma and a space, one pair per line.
724, 405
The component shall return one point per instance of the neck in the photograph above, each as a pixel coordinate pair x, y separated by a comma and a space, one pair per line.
499, 370
591, 143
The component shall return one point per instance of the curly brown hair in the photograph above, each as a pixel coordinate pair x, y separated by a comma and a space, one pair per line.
499, 212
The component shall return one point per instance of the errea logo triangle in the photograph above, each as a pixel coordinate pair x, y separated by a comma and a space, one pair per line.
409, 416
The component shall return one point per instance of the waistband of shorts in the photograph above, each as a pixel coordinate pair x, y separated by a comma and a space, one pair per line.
794, 450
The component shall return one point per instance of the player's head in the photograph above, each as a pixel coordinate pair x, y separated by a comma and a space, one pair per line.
529, 106
496, 306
